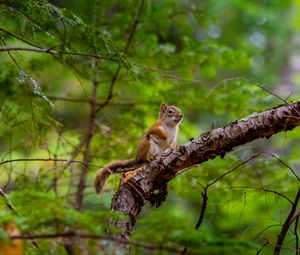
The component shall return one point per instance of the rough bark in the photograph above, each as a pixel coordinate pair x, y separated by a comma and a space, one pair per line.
133, 194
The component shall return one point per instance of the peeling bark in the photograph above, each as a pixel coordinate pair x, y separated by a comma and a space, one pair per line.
133, 194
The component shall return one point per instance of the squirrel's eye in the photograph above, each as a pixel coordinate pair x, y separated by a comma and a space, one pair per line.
170, 111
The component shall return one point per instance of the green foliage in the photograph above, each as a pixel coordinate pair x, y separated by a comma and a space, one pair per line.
217, 60
59, 26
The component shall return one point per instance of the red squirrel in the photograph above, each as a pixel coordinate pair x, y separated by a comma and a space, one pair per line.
157, 139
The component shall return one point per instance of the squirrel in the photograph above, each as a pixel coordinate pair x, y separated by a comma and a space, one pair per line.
157, 139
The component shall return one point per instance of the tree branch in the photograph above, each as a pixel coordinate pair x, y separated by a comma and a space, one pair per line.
88, 138
116, 74
9, 205
203, 208
91, 123
99, 103
205, 189
296, 235
54, 52
44, 159
286, 225
207, 146
146, 245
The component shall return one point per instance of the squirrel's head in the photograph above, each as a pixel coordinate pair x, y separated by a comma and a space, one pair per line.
170, 114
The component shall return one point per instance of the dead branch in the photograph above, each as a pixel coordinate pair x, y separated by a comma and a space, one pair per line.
286, 225
203, 208
296, 235
205, 189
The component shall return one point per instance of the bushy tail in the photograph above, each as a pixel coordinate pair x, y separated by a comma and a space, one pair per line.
100, 179
104, 173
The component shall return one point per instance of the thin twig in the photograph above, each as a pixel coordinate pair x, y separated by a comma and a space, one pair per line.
203, 208
205, 190
233, 169
283, 163
98, 103
19, 38
46, 159
88, 139
296, 235
248, 81
129, 40
286, 225
91, 122
64, 63
253, 83
93, 236
264, 245
266, 228
53, 52
11, 207
264, 189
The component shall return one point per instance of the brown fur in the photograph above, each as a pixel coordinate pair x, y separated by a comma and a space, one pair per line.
101, 176
158, 138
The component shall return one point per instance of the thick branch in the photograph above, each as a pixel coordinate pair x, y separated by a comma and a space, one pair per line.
131, 195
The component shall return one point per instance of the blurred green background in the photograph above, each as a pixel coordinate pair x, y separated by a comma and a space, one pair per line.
207, 57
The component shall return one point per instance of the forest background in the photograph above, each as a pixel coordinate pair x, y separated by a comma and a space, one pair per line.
81, 80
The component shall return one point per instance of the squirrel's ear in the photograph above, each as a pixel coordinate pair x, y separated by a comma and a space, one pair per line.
163, 107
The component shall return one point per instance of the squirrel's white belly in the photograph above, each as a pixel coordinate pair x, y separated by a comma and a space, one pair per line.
155, 148
172, 131
158, 145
